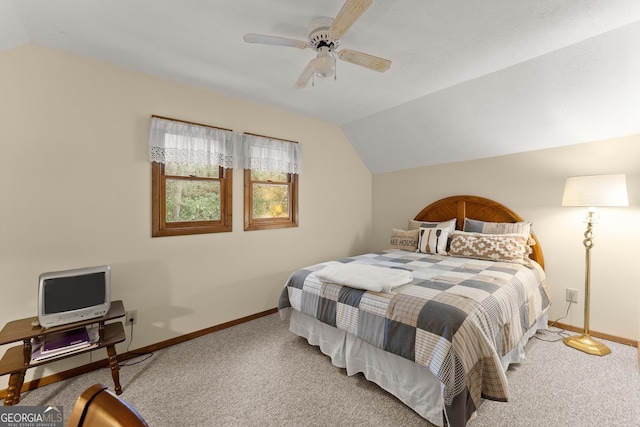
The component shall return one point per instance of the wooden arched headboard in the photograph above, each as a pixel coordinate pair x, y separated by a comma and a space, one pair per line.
474, 207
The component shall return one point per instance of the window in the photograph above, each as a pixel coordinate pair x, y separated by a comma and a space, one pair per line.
191, 173
189, 200
191, 177
270, 200
270, 182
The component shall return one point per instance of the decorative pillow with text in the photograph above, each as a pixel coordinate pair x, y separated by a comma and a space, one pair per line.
406, 240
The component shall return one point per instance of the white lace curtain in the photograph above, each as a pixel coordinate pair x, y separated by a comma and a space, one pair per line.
186, 143
274, 155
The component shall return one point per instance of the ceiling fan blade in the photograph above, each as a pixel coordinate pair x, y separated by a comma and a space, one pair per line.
365, 60
350, 12
305, 76
278, 41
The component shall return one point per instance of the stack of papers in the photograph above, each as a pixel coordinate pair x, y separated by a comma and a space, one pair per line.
61, 343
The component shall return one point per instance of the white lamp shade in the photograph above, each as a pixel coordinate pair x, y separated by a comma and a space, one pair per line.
596, 191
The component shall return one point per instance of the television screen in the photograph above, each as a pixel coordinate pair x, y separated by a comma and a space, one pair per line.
62, 294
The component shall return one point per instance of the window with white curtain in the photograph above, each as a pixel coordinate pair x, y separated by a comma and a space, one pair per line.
192, 168
271, 174
191, 177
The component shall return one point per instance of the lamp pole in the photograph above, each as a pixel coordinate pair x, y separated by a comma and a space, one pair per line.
588, 244
584, 342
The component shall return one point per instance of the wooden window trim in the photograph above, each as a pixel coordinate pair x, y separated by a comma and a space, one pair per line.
188, 122
251, 224
159, 226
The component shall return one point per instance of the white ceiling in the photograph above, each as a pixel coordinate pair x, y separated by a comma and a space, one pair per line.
469, 79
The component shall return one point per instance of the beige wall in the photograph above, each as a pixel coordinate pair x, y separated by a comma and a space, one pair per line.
75, 185
532, 184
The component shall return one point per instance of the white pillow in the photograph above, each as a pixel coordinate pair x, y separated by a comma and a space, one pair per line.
449, 224
433, 240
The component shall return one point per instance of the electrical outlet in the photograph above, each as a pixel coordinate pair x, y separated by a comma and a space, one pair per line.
131, 317
572, 295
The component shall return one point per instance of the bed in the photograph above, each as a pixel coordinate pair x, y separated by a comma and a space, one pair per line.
438, 317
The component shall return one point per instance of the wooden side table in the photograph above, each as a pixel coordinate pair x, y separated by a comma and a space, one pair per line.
17, 359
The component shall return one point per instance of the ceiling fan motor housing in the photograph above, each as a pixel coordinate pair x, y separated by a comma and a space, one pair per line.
319, 34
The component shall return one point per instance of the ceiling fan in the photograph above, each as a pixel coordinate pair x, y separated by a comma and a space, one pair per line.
324, 37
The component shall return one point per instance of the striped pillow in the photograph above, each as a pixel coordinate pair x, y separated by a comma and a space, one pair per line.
476, 226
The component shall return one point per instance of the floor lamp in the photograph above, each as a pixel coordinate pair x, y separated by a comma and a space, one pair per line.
591, 192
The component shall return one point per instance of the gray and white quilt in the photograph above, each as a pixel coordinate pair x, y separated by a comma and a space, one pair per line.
457, 317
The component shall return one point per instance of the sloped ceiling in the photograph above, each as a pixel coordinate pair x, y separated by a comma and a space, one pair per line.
469, 78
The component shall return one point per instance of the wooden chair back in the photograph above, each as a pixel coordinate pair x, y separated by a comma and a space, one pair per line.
98, 407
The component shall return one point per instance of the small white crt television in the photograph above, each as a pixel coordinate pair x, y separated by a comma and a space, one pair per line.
73, 295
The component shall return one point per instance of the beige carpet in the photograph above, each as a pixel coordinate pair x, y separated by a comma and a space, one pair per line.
260, 374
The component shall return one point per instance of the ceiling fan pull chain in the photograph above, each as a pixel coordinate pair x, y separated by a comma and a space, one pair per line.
335, 67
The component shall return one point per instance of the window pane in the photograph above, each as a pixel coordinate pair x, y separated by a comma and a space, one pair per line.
270, 201
201, 171
189, 200
269, 176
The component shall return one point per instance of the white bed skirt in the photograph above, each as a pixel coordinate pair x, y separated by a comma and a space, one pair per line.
413, 384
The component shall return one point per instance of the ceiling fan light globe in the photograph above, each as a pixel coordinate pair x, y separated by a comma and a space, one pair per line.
324, 66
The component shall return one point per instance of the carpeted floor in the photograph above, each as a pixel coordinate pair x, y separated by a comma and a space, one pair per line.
260, 374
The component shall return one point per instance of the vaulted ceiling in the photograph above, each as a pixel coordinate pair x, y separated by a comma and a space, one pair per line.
469, 79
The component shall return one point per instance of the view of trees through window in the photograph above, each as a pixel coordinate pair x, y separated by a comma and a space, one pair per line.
270, 194
192, 192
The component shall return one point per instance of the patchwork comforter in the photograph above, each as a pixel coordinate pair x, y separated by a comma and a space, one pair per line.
456, 318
